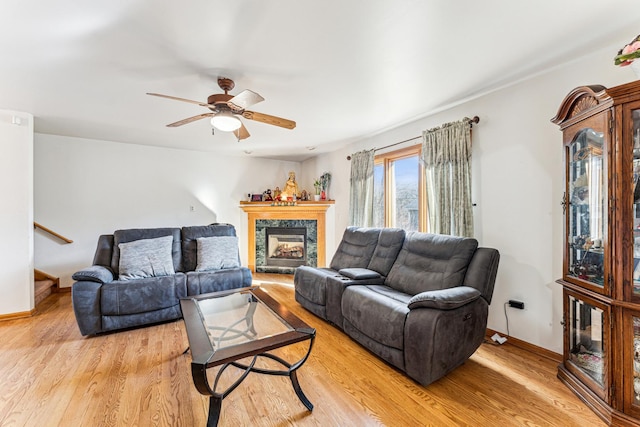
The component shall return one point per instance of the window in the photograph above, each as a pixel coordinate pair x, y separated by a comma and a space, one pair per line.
398, 187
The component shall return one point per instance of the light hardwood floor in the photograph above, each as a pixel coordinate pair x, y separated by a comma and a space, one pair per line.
52, 376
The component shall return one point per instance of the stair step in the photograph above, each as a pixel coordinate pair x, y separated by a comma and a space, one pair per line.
42, 290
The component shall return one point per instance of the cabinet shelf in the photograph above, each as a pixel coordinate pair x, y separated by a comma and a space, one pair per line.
598, 251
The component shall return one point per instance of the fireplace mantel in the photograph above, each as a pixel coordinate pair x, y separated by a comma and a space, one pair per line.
301, 211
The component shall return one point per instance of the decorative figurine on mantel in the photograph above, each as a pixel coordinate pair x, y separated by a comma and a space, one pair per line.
291, 187
325, 179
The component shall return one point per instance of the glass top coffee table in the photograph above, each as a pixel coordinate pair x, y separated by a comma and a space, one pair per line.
225, 327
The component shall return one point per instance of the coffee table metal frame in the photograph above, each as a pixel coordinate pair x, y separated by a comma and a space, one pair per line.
204, 356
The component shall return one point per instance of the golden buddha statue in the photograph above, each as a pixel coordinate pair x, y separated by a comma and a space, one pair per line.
291, 187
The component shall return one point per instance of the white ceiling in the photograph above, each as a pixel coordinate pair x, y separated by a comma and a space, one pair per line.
341, 69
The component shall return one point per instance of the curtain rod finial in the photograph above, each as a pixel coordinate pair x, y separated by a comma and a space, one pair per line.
475, 119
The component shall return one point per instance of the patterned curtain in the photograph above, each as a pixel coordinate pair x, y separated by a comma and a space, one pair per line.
361, 193
446, 154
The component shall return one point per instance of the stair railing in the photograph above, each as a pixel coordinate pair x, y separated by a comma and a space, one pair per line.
53, 233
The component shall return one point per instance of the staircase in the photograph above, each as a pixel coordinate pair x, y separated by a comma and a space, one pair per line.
44, 283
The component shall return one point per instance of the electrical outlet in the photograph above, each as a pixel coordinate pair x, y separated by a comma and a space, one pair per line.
192, 208
516, 304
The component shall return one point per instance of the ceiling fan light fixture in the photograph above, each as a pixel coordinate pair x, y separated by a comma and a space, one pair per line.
225, 122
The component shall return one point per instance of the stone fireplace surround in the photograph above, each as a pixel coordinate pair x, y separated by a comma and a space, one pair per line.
311, 215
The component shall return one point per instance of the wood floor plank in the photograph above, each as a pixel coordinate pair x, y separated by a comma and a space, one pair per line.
52, 376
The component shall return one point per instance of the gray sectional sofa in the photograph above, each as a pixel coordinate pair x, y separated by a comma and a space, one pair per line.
139, 275
419, 301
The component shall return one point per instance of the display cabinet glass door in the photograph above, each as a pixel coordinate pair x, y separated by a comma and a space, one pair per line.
636, 203
631, 369
586, 207
636, 361
586, 333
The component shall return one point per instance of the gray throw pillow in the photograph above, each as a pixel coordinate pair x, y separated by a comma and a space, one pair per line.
146, 258
217, 252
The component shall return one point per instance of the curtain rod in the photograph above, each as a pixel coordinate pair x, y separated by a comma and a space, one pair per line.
475, 119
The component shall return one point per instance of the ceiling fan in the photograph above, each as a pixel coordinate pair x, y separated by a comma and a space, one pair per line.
226, 108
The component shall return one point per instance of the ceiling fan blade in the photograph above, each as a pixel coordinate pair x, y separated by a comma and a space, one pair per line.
175, 98
189, 120
271, 120
241, 133
245, 99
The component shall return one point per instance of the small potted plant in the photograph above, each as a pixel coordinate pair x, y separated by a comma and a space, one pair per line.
318, 186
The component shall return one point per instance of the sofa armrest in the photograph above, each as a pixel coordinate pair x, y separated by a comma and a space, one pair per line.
359, 273
445, 299
95, 273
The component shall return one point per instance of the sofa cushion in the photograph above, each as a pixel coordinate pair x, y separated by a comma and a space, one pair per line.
190, 237
204, 282
217, 252
146, 258
389, 245
123, 297
355, 248
377, 311
129, 235
429, 262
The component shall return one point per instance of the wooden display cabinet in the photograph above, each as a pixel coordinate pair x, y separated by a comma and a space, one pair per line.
631, 355
601, 255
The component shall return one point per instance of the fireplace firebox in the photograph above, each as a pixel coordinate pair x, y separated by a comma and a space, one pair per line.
286, 246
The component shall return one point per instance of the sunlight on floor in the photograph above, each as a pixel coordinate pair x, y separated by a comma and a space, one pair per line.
518, 374
260, 279
288, 285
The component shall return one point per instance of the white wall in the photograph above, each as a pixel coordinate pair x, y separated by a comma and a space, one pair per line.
16, 212
517, 185
84, 188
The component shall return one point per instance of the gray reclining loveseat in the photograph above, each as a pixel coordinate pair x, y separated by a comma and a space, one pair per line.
139, 275
419, 301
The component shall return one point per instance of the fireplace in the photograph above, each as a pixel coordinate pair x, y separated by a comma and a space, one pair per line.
283, 245
309, 216
286, 247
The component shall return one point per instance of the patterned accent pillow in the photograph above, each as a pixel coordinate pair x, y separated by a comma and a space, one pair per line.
146, 258
217, 252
